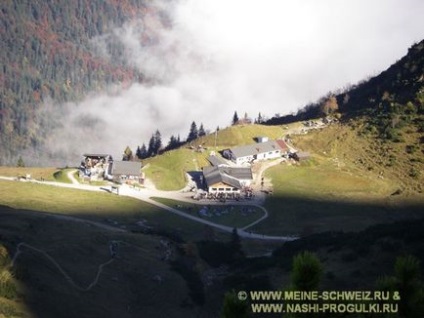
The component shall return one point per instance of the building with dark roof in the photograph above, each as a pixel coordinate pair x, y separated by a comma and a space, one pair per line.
226, 179
216, 161
98, 166
126, 170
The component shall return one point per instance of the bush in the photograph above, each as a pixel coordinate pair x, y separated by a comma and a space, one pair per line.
411, 149
391, 162
4, 257
7, 285
393, 135
8, 310
414, 173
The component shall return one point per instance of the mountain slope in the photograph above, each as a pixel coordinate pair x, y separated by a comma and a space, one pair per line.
399, 88
48, 52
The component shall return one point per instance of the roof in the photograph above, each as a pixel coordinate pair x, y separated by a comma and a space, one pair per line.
226, 174
254, 149
282, 144
131, 168
216, 161
237, 172
100, 155
213, 176
302, 155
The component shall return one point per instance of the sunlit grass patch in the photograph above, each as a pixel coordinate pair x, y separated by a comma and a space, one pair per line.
35, 172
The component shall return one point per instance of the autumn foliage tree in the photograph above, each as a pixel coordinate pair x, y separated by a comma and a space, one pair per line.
330, 106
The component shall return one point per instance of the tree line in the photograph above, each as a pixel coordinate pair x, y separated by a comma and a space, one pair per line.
307, 273
155, 145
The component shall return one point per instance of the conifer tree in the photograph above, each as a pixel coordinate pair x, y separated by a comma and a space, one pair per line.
259, 120
143, 151
20, 162
158, 142
307, 272
202, 131
193, 134
151, 149
173, 143
235, 118
407, 282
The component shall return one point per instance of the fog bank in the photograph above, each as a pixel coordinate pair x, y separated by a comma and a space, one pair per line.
217, 57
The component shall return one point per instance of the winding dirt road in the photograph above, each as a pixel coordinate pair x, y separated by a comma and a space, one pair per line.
147, 193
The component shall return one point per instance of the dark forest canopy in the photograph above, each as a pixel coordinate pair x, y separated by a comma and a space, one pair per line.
46, 53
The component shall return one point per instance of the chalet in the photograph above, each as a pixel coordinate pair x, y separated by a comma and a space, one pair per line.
96, 166
127, 171
259, 151
226, 179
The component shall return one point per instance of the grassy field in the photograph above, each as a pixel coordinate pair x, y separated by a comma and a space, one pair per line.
104, 207
237, 216
368, 156
242, 135
36, 173
168, 171
343, 187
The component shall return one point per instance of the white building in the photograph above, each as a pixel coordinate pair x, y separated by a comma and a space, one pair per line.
259, 151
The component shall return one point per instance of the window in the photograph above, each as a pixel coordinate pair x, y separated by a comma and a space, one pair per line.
221, 189
213, 189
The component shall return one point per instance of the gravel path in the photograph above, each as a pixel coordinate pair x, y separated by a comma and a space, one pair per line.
60, 269
146, 194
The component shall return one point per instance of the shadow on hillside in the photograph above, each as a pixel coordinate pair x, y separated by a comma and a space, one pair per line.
197, 178
303, 216
81, 247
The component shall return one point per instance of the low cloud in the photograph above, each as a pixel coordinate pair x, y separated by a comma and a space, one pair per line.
217, 57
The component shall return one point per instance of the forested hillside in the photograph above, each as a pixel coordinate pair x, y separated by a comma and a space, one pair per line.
47, 52
396, 91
